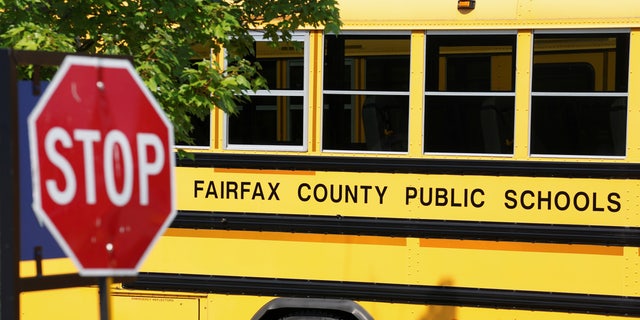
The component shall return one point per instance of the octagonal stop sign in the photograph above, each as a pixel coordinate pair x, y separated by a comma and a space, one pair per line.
102, 165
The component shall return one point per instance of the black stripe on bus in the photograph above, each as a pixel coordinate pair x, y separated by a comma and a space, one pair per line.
393, 293
529, 168
417, 228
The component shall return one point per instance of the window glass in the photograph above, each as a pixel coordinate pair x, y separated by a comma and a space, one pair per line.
469, 102
274, 118
201, 131
366, 92
579, 98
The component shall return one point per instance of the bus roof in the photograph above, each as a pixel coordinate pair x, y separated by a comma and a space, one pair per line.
488, 14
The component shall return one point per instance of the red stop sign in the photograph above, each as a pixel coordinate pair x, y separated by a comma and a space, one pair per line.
102, 164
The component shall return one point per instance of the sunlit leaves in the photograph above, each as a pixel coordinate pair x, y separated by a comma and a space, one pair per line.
32, 36
170, 42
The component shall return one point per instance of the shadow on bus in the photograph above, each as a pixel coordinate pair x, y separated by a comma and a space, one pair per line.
437, 312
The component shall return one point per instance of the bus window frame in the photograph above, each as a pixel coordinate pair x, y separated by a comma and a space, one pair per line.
435, 93
599, 94
297, 36
365, 93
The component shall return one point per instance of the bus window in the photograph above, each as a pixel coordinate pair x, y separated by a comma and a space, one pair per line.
366, 92
579, 94
469, 98
201, 131
275, 118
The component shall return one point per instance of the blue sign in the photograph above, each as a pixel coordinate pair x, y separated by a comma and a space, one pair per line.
33, 235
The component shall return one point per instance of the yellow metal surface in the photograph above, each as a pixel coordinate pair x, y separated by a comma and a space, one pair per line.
633, 114
222, 307
316, 39
527, 266
83, 303
160, 306
28, 268
68, 304
523, 94
463, 263
281, 255
488, 14
416, 93
576, 201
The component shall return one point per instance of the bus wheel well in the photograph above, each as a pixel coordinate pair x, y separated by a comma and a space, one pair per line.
312, 309
309, 314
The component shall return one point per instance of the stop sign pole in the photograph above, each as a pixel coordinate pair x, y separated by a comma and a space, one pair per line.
102, 164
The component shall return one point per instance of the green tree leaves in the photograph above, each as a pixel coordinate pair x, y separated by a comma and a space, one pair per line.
171, 42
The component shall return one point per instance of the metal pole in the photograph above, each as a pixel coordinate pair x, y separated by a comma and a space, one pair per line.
105, 298
9, 190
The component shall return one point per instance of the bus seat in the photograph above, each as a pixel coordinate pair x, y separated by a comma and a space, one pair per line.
373, 125
490, 127
496, 126
385, 122
618, 123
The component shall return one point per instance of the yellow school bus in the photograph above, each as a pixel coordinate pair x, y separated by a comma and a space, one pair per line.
436, 160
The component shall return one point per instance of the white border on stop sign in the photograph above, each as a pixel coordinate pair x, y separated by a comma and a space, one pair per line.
97, 62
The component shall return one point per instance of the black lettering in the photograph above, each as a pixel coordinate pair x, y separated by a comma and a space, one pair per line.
324, 191
473, 198
422, 202
335, 199
561, 200
274, 191
542, 199
410, 193
257, 192
366, 193
232, 187
511, 203
196, 187
381, 193
300, 196
595, 203
567, 201
441, 197
244, 188
576, 203
615, 205
531, 194
211, 190
351, 194
453, 198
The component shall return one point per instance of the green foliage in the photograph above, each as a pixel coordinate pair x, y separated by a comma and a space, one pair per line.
170, 41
